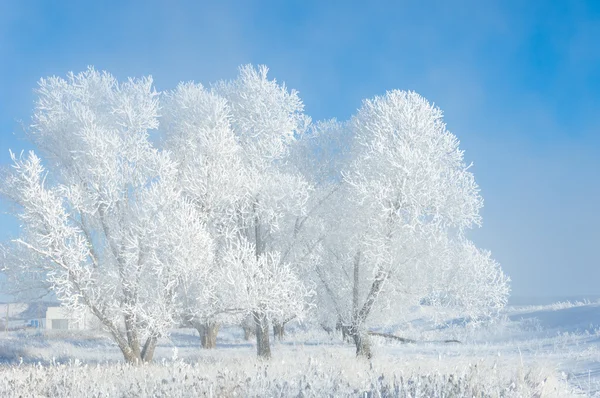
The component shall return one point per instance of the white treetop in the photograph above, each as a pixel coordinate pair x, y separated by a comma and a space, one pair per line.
265, 117
409, 167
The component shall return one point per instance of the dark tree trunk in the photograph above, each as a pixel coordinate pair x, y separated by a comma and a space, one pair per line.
341, 327
135, 357
208, 334
249, 327
360, 314
361, 340
278, 330
129, 355
148, 350
346, 333
132, 337
249, 332
263, 347
363, 344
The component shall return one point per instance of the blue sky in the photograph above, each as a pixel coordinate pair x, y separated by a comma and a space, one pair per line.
519, 83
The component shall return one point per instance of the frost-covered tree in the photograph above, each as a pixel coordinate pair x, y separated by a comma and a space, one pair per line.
230, 143
319, 155
468, 280
196, 122
108, 213
406, 190
263, 285
266, 118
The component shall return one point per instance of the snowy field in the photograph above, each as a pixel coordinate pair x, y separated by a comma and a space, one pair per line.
535, 351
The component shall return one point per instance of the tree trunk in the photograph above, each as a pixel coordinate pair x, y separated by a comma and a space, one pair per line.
263, 347
355, 286
249, 327
130, 357
208, 334
148, 350
278, 330
132, 336
361, 340
249, 331
363, 344
346, 333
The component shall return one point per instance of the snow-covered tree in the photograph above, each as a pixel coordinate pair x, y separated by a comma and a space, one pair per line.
266, 119
319, 155
468, 280
230, 143
199, 137
407, 189
108, 214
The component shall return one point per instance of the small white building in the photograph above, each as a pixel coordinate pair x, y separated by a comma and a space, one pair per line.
61, 318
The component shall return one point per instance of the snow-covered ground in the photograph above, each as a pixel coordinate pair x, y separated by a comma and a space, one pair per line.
564, 334
552, 350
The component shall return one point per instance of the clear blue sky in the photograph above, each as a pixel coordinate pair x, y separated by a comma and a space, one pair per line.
519, 82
